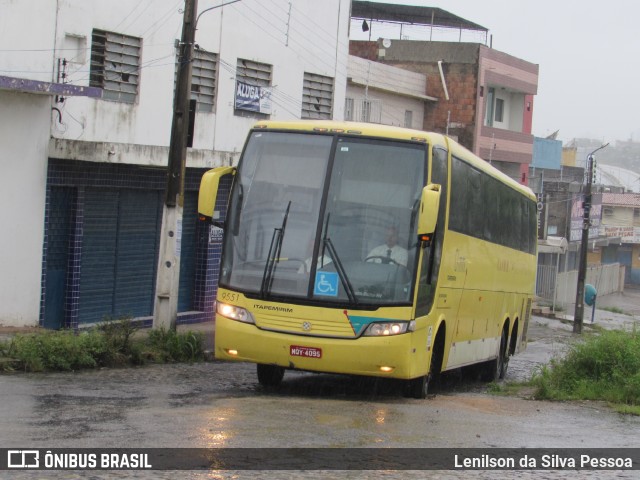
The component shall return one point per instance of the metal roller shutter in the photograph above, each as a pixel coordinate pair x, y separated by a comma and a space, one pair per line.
58, 237
136, 256
119, 254
98, 264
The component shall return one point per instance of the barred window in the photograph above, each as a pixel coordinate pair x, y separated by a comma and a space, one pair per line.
369, 111
317, 96
115, 65
204, 74
348, 109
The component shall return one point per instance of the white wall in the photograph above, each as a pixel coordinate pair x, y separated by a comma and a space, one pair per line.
24, 132
250, 29
255, 31
27, 30
24, 128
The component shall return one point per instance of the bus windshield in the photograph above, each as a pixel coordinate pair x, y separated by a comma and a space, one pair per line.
349, 203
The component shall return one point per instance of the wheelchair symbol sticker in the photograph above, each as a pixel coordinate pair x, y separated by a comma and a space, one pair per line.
326, 284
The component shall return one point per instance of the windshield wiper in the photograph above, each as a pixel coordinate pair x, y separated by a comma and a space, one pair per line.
274, 256
342, 273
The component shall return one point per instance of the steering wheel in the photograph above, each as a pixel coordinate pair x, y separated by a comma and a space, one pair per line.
382, 259
302, 263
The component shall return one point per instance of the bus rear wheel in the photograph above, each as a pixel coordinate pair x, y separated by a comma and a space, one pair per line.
497, 368
270, 375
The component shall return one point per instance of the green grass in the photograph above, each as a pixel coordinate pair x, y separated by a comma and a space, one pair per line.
613, 310
602, 367
113, 343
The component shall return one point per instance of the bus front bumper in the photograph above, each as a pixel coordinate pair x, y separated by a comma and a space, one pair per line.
385, 356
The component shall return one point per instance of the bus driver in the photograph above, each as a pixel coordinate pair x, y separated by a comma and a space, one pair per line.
389, 251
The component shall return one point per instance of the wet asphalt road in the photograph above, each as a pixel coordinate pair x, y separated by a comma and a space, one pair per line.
221, 405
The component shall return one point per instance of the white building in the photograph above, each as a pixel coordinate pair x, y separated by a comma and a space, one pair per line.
86, 93
380, 93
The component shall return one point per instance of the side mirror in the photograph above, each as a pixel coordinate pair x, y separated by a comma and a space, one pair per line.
209, 191
429, 205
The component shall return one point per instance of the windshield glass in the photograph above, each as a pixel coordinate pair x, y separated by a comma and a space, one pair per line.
370, 219
279, 182
363, 237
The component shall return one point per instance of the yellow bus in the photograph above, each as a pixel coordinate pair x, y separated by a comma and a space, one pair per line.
371, 250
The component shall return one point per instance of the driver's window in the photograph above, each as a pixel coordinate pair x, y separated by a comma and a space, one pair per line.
432, 255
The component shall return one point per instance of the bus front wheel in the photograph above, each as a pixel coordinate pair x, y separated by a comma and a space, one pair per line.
421, 386
417, 387
270, 375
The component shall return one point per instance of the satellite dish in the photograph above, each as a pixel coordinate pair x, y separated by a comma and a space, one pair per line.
386, 43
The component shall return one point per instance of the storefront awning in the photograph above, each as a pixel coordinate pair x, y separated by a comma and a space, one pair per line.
26, 85
553, 245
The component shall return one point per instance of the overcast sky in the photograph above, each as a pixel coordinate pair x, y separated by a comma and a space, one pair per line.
588, 53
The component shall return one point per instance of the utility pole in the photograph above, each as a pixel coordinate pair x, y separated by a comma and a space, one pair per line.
586, 223
165, 310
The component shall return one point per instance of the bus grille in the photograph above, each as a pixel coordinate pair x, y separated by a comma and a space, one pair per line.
306, 326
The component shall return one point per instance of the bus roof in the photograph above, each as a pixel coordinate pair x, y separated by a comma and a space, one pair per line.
399, 133
356, 128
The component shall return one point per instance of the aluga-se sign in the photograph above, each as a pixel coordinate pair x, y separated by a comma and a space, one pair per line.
253, 98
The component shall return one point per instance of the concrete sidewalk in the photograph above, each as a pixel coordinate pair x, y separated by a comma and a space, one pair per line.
627, 301
623, 306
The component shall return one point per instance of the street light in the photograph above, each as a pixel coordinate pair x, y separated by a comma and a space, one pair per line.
211, 8
586, 223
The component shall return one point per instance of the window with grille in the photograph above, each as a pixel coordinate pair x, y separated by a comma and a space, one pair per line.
317, 96
348, 109
365, 111
255, 74
203, 79
115, 65
370, 111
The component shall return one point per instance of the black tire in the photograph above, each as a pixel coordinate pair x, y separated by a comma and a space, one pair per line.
421, 386
495, 369
417, 387
505, 356
269, 375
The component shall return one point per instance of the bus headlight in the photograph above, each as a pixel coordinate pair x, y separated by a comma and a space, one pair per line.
234, 313
389, 328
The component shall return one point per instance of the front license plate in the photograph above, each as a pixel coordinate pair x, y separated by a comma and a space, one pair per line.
309, 352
